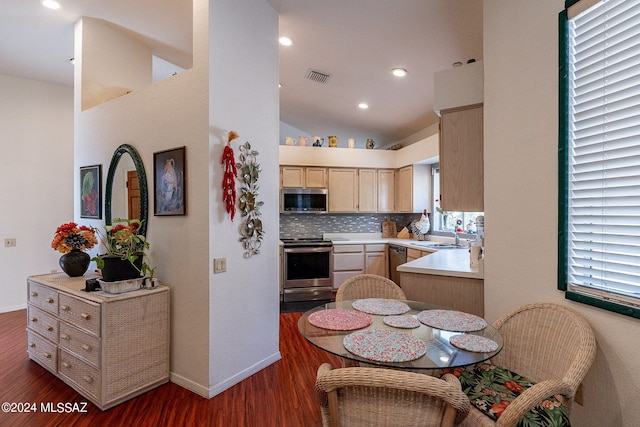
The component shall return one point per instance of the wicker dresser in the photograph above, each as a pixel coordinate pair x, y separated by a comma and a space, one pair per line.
108, 347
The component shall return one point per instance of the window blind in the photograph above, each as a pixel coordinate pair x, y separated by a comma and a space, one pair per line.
604, 152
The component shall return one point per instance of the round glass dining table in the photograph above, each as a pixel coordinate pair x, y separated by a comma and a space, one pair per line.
440, 353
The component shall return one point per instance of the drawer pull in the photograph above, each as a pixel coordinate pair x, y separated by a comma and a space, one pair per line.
64, 337
88, 379
86, 347
64, 308
50, 300
34, 294
32, 344
49, 328
47, 355
85, 316
34, 319
66, 364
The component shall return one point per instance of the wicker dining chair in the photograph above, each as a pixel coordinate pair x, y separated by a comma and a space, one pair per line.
357, 397
369, 286
550, 345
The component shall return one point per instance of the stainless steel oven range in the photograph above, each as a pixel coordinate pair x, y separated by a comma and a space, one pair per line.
307, 269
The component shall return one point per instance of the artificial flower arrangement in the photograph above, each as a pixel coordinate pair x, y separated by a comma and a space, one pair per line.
122, 240
72, 236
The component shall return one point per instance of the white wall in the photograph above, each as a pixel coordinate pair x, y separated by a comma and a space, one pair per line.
521, 138
244, 301
161, 116
37, 173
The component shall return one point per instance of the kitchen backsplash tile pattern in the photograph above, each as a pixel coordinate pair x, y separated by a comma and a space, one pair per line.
312, 225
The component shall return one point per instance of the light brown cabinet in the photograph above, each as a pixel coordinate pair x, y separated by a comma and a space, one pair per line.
386, 190
343, 190
367, 190
303, 177
461, 159
376, 259
348, 261
415, 254
413, 188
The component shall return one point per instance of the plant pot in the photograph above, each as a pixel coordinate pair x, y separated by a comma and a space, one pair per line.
116, 268
75, 263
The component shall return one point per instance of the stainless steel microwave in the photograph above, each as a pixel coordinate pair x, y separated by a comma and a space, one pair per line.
304, 200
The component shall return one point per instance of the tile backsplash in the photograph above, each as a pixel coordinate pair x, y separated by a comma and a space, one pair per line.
314, 225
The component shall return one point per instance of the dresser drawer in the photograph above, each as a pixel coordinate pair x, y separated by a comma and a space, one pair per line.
42, 322
43, 351
81, 373
80, 343
81, 313
43, 297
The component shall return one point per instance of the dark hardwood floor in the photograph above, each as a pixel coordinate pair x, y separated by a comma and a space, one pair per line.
280, 395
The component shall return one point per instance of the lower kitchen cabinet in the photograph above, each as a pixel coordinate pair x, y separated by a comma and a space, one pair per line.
348, 261
456, 293
415, 254
107, 347
377, 259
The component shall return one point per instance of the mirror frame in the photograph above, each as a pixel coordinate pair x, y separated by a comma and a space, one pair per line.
142, 180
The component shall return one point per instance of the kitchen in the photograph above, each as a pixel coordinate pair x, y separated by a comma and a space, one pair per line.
339, 197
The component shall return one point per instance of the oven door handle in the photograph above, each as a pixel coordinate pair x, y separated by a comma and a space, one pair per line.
308, 249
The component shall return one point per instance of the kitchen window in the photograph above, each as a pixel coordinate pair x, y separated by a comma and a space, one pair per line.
447, 222
599, 154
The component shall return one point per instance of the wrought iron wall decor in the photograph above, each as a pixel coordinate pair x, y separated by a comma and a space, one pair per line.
251, 228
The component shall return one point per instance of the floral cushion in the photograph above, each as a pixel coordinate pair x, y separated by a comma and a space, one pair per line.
492, 388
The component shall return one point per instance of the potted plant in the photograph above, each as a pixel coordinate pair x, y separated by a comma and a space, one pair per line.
126, 252
72, 240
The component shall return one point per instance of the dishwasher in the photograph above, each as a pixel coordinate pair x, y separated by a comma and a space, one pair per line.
397, 256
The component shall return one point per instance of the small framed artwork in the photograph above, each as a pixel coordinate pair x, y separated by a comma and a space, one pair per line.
91, 192
169, 184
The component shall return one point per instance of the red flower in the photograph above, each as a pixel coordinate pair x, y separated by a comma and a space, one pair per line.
513, 386
498, 408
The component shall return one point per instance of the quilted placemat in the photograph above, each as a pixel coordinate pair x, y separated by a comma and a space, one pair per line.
385, 346
381, 306
451, 320
404, 322
339, 319
473, 343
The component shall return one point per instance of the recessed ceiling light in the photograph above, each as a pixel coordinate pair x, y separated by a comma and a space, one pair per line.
399, 72
285, 41
51, 4
363, 105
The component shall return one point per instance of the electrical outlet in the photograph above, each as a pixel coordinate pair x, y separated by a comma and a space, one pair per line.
10, 243
219, 265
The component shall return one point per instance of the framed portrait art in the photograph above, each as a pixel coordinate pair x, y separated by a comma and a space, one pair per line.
91, 192
169, 184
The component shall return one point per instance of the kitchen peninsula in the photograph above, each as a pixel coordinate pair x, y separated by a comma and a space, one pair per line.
440, 276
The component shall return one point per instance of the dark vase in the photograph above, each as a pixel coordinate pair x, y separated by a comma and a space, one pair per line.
75, 263
116, 268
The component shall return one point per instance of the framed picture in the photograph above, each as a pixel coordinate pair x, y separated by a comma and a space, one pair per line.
169, 184
91, 192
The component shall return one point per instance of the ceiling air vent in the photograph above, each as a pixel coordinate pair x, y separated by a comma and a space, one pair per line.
317, 76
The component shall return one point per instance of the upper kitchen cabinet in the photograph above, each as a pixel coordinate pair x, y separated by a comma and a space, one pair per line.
303, 177
367, 190
461, 159
458, 98
386, 190
413, 188
343, 190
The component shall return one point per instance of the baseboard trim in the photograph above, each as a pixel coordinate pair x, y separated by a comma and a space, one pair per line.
14, 308
230, 382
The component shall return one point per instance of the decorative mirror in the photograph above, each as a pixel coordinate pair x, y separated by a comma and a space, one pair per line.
126, 189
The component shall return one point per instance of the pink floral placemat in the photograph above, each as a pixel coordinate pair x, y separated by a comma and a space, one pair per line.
451, 320
404, 322
474, 343
385, 346
381, 306
339, 319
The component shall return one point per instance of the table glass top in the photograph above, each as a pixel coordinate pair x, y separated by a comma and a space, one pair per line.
440, 353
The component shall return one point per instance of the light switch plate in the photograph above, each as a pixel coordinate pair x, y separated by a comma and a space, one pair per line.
10, 243
219, 265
